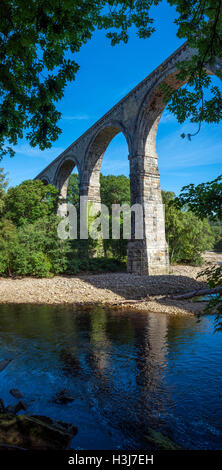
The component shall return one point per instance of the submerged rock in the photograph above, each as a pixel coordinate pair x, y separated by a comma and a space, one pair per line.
71, 364
15, 409
34, 432
2, 406
63, 397
16, 393
160, 441
4, 363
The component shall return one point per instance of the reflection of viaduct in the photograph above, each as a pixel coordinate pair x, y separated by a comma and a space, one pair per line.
137, 116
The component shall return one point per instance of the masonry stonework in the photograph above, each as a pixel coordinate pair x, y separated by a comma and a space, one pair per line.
137, 116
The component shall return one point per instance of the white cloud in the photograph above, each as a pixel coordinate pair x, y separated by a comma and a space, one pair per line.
77, 117
28, 151
167, 118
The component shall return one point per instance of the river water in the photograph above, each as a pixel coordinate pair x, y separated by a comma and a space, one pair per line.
128, 373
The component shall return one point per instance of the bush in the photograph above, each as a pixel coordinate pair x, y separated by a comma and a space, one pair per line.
217, 231
33, 249
96, 265
30, 201
186, 234
8, 244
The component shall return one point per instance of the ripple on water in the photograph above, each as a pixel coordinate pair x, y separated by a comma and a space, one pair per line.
128, 373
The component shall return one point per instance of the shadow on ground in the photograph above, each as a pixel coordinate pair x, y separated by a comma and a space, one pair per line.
158, 288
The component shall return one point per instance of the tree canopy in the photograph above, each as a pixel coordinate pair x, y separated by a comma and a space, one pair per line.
38, 38
30, 201
114, 190
3, 186
205, 199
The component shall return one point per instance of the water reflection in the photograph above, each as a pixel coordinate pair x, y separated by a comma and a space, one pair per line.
128, 372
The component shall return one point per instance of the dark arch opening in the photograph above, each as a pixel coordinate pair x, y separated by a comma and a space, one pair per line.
45, 181
62, 177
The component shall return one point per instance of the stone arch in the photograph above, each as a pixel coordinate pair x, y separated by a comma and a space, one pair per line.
90, 177
137, 116
151, 255
45, 180
152, 107
61, 181
63, 173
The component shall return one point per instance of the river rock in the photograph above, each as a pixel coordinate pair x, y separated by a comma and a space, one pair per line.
35, 432
63, 397
15, 409
71, 364
2, 406
4, 363
160, 441
16, 393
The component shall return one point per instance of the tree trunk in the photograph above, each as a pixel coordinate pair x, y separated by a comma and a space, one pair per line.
195, 293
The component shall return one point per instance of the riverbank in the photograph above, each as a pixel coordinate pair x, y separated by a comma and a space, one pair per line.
152, 292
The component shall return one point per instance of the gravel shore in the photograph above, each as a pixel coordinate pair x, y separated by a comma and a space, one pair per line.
111, 288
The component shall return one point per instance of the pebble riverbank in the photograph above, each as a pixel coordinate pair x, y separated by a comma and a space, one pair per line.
111, 289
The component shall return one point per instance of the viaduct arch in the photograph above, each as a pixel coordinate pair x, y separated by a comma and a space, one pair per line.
137, 116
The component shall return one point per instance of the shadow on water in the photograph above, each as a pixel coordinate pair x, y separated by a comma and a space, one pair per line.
128, 373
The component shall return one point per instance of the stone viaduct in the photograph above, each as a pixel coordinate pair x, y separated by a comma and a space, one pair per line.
137, 116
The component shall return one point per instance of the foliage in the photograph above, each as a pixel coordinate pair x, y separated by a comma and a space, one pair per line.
200, 23
217, 231
214, 279
37, 41
96, 265
73, 190
186, 234
8, 244
205, 199
35, 67
3, 186
29, 244
114, 190
32, 249
3, 182
40, 251
30, 201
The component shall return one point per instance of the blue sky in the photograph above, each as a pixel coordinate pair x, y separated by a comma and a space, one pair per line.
106, 74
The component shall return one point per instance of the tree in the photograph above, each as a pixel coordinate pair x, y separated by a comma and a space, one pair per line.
200, 22
187, 236
39, 251
114, 190
3, 186
30, 201
37, 41
8, 244
32, 249
73, 190
35, 67
206, 200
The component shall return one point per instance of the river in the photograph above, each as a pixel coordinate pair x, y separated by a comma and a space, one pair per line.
127, 372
